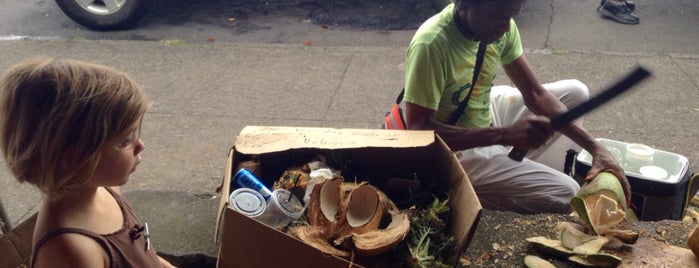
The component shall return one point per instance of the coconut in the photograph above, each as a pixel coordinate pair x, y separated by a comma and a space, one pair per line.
325, 203
601, 203
350, 215
363, 210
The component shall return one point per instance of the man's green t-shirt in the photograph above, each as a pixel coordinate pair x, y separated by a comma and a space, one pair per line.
439, 68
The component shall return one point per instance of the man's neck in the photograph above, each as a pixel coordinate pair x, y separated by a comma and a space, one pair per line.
463, 28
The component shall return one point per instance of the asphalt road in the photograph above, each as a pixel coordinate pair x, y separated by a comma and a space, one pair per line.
667, 26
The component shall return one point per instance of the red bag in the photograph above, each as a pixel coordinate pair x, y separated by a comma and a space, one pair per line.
394, 118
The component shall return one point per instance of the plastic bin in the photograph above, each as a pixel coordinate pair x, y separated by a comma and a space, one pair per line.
660, 180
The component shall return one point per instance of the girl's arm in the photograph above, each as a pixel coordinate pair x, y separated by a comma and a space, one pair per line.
165, 264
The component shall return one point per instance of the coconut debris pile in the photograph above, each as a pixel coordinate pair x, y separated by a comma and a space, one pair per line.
348, 219
600, 206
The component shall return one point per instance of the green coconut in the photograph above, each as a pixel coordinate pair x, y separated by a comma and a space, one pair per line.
601, 203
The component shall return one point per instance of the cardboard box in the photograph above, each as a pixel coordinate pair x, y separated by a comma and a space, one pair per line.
16, 245
365, 153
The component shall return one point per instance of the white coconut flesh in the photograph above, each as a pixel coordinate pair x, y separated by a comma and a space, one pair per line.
330, 194
605, 212
362, 206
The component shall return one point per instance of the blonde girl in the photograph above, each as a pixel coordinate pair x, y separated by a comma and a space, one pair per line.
72, 129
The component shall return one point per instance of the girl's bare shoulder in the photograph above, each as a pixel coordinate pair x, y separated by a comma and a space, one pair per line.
71, 250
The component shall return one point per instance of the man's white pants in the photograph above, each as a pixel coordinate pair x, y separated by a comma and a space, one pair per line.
535, 185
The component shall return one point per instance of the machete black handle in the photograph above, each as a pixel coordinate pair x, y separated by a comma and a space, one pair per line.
517, 153
625, 84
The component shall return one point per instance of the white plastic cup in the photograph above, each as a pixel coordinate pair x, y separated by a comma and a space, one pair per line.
248, 202
638, 155
282, 209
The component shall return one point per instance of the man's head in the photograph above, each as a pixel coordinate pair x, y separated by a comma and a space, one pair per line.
486, 20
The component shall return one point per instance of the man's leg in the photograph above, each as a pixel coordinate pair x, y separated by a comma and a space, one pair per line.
523, 187
508, 107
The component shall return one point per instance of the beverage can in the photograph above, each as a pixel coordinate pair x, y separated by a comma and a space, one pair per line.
246, 179
248, 202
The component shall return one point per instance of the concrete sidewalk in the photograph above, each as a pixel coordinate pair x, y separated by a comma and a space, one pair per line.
204, 94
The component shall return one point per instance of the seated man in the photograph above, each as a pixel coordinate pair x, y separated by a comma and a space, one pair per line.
439, 68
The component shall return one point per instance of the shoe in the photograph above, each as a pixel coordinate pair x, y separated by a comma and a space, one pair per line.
621, 13
629, 4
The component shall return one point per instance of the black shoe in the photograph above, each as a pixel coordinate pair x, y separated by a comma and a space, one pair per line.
629, 4
621, 14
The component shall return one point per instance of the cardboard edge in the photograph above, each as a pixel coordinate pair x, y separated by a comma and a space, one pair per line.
462, 193
307, 255
225, 192
266, 139
16, 245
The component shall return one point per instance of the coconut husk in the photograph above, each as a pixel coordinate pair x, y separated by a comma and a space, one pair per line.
382, 240
317, 237
363, 210
325, 204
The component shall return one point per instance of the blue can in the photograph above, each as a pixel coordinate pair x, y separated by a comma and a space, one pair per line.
246, 179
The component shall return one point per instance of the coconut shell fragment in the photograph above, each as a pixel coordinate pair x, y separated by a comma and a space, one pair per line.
325, 203
693, 241
380, 241
601, 203
550, 246
596, 260
532, 261
363, 210
571, 237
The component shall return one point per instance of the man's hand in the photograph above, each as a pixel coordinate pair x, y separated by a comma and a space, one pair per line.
602, 160
529, 133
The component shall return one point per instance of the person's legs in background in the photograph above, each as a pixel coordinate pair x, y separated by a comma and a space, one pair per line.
618, 10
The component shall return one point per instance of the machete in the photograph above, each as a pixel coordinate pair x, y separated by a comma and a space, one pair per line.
563, 119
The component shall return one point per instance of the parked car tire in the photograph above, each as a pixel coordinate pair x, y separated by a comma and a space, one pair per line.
105, 15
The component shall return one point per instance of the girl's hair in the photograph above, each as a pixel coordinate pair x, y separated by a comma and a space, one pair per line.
56, 114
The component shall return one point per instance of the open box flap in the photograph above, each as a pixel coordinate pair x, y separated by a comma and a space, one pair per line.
265, 139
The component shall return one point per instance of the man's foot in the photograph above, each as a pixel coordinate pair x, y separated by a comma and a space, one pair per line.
619, 13
631, 5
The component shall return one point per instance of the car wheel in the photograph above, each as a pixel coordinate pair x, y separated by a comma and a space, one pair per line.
105, 15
